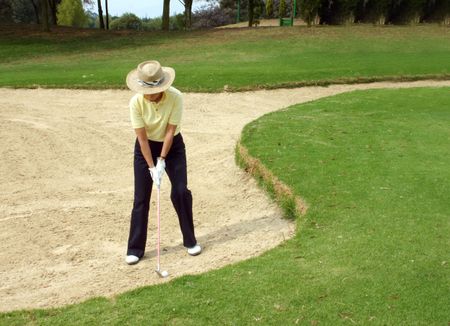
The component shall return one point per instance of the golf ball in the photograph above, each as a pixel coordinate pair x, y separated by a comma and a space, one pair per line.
164, 273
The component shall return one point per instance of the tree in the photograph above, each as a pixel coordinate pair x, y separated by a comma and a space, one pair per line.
437, 11
372, 11
100, 14
36, 11
166, 16
269, 8
251, 7
187, 13
53, 4
127, 21
230, 7
107, 14
71, 13
44, 15
405, 11
6, 11
24, 12
282, 8
309, 10
337, 12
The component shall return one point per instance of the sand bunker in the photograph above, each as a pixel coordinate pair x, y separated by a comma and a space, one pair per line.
67, 189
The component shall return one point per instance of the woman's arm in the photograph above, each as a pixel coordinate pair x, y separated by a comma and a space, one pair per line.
168, 140
145, 148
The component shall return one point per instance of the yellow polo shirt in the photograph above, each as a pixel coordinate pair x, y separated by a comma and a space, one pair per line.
154, 117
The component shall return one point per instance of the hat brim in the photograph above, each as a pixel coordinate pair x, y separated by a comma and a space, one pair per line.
133, 84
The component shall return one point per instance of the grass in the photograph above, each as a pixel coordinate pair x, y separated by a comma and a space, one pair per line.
240, 58
372, 248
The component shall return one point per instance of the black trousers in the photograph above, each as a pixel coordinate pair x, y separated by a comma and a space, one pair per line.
180, 195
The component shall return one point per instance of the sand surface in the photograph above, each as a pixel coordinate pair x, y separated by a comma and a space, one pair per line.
67, 188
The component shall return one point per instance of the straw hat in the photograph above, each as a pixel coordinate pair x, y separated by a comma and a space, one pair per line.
150, 78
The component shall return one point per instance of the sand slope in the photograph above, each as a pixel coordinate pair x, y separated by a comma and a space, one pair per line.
67, 188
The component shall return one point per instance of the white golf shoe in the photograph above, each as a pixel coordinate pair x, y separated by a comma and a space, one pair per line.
131, 259
195, 250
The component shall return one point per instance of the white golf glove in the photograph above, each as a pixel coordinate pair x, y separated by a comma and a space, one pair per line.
154, 174
161, 167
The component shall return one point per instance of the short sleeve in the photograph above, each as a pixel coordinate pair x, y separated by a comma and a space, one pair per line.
136, 114
177, 111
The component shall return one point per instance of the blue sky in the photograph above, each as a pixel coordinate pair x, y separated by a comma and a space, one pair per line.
144, 8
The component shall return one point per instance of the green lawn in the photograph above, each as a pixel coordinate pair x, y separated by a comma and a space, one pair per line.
372, 248
240, 58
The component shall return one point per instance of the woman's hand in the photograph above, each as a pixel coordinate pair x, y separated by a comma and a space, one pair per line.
155, 176
160, 167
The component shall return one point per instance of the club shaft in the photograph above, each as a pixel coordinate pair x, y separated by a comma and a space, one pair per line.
158, 217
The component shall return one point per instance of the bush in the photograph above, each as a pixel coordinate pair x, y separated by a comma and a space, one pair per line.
309, 10
176, 22
372, 11
126, 21
269, 8
151, 24
335, 12
437, 11
211, 15
405, 11
282, 8
6, 11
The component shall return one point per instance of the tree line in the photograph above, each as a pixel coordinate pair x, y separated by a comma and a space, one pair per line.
337, 12
222, 12
71, 13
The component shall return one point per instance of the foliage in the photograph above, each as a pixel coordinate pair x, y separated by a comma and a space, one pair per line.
436, 11
92, 19
151, 24
6, 11
269, 8
336, 12
372, 11
259, 9
126, 21
71, 13
309, 10
282, 8
177, 22
405, 11
24, 12
211, 15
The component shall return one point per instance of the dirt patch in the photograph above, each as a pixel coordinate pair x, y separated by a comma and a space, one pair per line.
67, 189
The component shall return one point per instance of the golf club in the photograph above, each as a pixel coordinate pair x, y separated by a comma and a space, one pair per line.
158, 271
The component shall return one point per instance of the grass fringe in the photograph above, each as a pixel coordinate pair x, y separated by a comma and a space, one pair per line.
293, 206
232, 89
340, 81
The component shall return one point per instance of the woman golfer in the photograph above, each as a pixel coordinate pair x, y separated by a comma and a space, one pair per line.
155, 113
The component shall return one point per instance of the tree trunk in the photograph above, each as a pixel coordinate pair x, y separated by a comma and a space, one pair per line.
53, 7
36, 11
100, 14
251, 5
107, 14
166, 15
188, 14
44, 14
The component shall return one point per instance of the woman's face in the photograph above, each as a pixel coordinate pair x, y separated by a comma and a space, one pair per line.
153, 97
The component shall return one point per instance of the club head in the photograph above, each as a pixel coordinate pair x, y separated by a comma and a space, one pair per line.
162, 274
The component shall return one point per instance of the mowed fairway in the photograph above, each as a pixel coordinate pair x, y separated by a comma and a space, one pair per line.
238, 58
